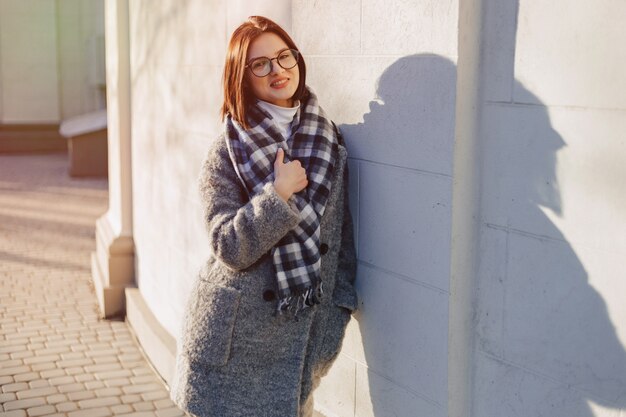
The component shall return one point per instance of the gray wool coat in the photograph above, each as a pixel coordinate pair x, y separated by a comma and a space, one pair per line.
234, 358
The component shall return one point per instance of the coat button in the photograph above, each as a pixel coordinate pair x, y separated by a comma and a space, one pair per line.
269, 295
323, 248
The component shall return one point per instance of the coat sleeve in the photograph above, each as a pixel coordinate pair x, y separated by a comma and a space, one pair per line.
241, 230
345, 294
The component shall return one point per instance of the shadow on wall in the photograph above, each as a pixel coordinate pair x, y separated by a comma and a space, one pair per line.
545, 342
402, 153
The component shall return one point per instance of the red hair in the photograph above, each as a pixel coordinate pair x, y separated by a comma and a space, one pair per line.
238, 97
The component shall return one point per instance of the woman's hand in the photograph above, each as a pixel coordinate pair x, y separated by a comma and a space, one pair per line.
289, 177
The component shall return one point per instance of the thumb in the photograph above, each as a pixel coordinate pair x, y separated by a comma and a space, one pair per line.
279, 156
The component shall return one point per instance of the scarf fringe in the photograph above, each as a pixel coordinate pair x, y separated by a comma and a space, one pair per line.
294, 304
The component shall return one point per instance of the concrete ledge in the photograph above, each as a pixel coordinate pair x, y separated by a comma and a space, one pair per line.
158, 344
88, 153
112, 268
87, 144
110, 299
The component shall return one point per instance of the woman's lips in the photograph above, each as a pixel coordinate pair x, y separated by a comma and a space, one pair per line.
279, 83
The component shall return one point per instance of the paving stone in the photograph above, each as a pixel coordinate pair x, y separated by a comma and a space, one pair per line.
42, 358
69, 355
91, 412
11, 349
131, 398
12, 362
164, 403
170, 412
121, 409
84, 377
142, 371
140, 388
21, 354
38, 383
71, 387
6, 380
74, 362
144, 379
36, 392
18, 386
15, 413
57, 356
113, 374
80, 395
30, 402
34, 346
40, 411
61, 380
99, 402
52, 373
56, 398
105, 359
76, 370
154, 395
14, 370
6, 397
144, 406
42, 366
106, 392
66, 406
116, 382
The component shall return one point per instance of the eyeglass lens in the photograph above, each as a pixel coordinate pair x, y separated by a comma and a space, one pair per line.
287, 59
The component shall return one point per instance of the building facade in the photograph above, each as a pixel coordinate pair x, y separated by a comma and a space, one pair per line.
486, 146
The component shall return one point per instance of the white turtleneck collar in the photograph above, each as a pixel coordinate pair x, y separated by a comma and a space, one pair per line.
282, 116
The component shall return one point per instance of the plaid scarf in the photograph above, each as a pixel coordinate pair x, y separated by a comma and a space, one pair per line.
313, 141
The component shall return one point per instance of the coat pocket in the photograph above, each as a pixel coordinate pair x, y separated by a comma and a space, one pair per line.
209, 324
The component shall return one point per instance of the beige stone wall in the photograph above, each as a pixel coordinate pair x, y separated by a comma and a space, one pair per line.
51, 59
28, 62
80, 27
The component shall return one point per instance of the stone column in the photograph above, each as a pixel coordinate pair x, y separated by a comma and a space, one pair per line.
465, 212
112, 263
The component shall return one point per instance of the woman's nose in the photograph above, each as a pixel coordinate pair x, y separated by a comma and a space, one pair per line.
276, 69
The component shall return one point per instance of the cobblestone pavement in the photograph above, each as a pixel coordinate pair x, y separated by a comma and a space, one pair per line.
57, 358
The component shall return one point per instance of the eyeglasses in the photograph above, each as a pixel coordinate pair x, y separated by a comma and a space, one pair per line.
262, 66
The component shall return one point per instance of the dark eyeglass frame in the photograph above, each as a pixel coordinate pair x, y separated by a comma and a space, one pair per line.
294, 52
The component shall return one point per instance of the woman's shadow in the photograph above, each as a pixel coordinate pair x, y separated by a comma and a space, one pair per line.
545, 344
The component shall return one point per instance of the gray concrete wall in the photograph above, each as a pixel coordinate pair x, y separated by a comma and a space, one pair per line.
386, 73
551, 329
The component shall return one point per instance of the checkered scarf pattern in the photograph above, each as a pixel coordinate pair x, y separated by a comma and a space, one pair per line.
313, 142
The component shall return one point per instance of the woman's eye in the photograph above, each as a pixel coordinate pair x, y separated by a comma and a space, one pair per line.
284, 55
258, 64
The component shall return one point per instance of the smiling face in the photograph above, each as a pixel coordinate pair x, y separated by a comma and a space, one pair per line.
281, 84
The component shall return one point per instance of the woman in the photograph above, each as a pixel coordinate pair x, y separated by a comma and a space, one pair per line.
266, 318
